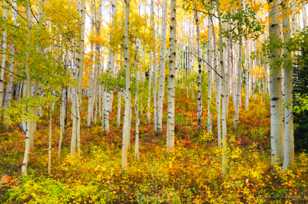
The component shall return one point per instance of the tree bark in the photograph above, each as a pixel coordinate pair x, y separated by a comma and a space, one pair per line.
199, 78
275, 82
127, 111
77, 92
209, 76
171, 78
27, 94
288, 150
3, 50
9, 88
62, 119
161, 91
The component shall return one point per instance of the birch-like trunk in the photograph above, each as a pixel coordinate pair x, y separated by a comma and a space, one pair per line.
247, 76
209, 76
77, 92
223, 94
238, 84
91, 93
161, 91
137, 119
275, 81
9, 88
288, 150
119, 108
127, 111
62, 119
50, 139
108, 94
27, 94
218, 84
3, 55
171, 78
199, 79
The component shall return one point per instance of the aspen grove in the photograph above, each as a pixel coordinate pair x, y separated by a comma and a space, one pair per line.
153, 101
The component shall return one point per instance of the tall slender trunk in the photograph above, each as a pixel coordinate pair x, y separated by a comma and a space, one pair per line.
9, 88
288, 150
27, 94
154, 67
171, 78
50, 138
62, 119
137, 119
119, 107
223, 94
77, 92
3, 55
161, 91
199, 79
91, 93
127, 111
247, 75
209, 76
275, 82
108, 94
238, 85
218, 84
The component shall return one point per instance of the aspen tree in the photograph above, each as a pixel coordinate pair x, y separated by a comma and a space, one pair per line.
119, 107
27, 94
218, 84
77, 92
199, 79
108, 94
152, 66
171, 78
4, 54
9, 88
238, 84
209, 76
275, 81
246, 74
127, 111
62, 118
51, 108
161, 91
223, 92
137, 119
288, 150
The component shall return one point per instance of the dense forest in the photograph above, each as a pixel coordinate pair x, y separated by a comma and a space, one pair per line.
153, 101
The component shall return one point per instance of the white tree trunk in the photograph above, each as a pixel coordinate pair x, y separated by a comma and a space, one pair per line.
108, 94
91, 89
247, 75
199, 79
218, 84
50, 139
238, 85
9, 89
62, 119
161, 91
223, 94
27, 93
171, 78
127, 115
77, 92
3, 55
119, 107
137, 119
209, 76
275, 83
288, 150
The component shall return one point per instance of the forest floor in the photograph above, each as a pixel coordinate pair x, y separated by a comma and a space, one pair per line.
192, 173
